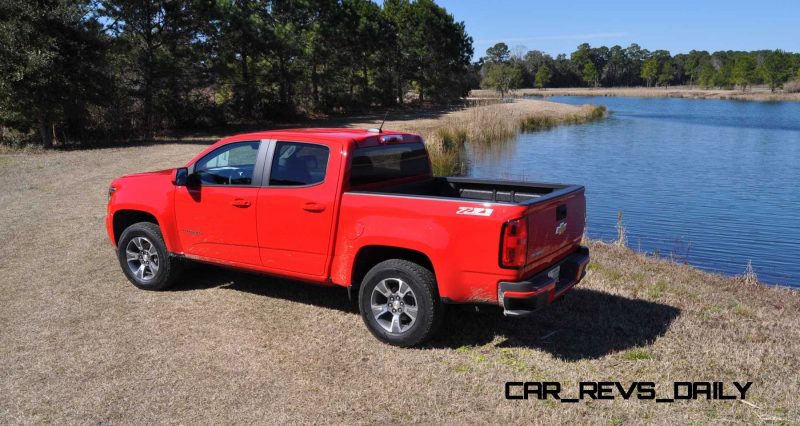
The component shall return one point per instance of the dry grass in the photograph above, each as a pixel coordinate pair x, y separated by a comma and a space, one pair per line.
79, 344
445, 147
792, 86
536, 123
757, 93
27, 149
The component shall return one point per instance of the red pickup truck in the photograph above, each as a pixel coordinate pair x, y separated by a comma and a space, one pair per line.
359, 209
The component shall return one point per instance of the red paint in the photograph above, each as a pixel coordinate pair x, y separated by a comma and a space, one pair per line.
527, 294
315, 233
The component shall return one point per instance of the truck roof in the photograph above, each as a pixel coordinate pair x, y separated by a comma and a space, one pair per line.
362, 137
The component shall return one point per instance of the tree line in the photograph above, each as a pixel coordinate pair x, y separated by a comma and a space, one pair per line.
106, 69
617, 66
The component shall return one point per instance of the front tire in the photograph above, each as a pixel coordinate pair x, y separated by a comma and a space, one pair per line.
144, 258
400, 304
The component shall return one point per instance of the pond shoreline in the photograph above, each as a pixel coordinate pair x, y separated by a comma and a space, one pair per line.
757, 93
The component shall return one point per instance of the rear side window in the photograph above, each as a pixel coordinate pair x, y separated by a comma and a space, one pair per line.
387, 162
231, 164
297, 164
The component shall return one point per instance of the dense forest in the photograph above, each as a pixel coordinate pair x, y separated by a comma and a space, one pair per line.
616, 66
83, 70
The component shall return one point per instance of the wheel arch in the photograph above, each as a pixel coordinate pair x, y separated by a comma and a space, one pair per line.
124, 218
369, 256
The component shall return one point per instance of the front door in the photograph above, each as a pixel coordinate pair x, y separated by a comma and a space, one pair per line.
217, 218
296, 207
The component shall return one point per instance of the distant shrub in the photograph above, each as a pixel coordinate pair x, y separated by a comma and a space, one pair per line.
792, 86
15, 138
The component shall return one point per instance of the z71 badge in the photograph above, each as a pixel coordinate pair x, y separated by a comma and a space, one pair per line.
474, 211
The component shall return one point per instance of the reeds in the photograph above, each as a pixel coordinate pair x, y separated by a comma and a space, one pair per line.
445, 147
491, 124
622, 234
536, 123
749, 276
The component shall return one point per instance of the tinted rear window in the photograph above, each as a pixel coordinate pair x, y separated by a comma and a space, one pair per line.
297, 164
387, 162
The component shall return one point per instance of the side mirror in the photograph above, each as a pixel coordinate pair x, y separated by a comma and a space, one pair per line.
181, 177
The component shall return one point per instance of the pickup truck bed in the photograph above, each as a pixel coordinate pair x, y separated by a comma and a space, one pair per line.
460, 219
479, 190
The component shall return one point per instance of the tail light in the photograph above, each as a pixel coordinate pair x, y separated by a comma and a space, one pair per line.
514, 244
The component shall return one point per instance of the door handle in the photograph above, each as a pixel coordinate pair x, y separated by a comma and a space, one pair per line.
314, 207
239, 202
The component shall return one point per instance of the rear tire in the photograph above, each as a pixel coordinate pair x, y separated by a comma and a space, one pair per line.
144, 258
400, 304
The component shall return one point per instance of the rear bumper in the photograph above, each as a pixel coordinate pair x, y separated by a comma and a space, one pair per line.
523, 297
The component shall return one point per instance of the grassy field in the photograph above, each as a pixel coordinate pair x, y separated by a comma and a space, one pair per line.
758, 93
79, 344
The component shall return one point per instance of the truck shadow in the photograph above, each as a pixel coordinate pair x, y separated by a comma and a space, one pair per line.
586, 324
201, 276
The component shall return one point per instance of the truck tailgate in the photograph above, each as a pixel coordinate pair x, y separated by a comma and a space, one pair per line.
555, 226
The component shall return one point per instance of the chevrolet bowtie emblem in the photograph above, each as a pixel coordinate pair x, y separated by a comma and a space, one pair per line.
561, 228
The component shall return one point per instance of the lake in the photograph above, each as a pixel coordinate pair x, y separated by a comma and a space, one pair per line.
710, 182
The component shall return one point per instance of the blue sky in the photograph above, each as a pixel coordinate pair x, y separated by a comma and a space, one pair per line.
678, 26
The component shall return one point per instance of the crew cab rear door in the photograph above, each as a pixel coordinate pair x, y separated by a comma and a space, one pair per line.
297, 205
216, 216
